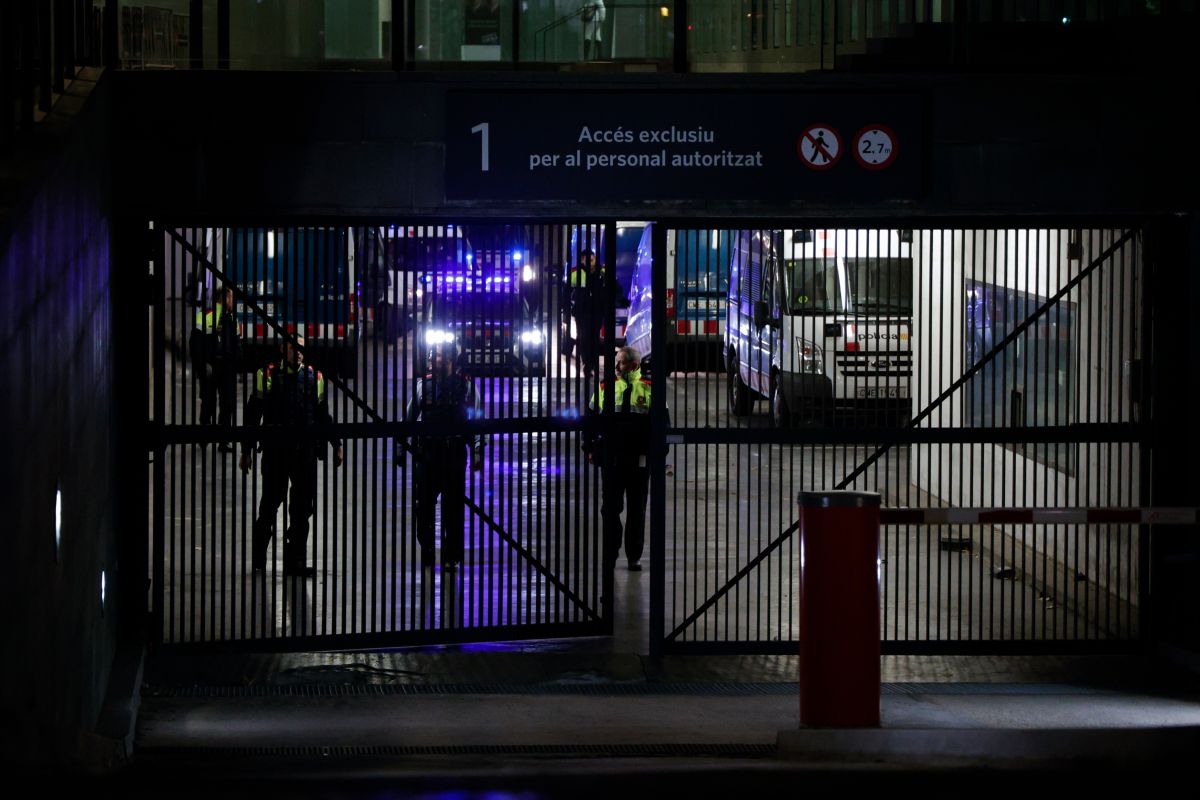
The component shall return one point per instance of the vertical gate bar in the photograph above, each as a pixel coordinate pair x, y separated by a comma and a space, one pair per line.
1126, 486
1084, 494
1030, 472
1050, 548
658, 428
235, 238
158, 344
973, 253
1150, 261
254, 241
396, 303
197, 497
1113, 375
999, 249
411, 375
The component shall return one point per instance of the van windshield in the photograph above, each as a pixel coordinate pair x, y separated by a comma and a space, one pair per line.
812, 286
880, 285
421, 254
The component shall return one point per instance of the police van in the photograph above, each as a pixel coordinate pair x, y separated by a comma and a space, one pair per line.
696, 292
475, 297
298, 280
820, 323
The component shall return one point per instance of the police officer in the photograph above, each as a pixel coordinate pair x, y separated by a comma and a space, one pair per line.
219, 347
621, 452
291, 394
590, 299
445, 397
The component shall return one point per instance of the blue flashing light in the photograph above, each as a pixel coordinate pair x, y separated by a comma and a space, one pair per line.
517, 256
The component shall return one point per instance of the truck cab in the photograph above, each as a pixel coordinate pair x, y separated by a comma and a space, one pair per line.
820, 323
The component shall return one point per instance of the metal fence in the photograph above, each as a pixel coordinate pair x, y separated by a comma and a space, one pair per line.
941, 367
365, 305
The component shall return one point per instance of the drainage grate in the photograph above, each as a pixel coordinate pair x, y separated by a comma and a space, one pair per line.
606, 750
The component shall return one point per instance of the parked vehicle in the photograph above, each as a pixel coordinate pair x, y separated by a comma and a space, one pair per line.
303, 280
820, 322
477, 299
696, 292
411, 253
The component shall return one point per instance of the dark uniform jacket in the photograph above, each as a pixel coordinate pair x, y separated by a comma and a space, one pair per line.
287, 396
449, 399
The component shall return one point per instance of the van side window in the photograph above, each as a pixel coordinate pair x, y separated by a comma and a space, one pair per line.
752, 269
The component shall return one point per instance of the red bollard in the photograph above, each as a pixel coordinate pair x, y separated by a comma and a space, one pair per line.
839, 609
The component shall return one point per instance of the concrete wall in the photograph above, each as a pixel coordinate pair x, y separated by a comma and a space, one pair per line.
57, 363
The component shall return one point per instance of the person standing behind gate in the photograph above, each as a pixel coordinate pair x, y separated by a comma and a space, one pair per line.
589, 305
291, 395
621, 453
224, 349
592, 14
216, 348
445, 397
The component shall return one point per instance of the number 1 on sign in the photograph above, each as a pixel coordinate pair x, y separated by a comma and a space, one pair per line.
482, 128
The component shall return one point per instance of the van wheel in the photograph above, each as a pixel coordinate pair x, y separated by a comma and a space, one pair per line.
781, 415
739, 392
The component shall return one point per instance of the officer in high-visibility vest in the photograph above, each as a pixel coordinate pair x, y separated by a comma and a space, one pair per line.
591, 296
289, 394
621, 453
216, 354
445, 397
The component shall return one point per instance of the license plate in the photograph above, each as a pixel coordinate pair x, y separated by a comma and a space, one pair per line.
877, 392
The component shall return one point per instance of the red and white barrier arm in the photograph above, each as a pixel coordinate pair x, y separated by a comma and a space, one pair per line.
1037, 516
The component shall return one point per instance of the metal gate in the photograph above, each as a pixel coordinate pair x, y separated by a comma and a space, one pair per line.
364, 304
943, 368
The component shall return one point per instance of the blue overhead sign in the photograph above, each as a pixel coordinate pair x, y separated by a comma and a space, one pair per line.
683, 146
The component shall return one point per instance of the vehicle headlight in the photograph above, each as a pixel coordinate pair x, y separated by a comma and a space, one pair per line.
811, 357
437, 336
533, 337
527, 273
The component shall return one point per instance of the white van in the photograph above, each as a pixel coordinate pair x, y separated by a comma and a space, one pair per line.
820, 321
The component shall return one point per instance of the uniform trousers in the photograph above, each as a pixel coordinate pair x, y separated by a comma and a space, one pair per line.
441, 468
279, 466
626, 485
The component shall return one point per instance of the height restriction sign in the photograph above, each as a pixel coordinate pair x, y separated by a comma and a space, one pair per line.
875, 147
819, 147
